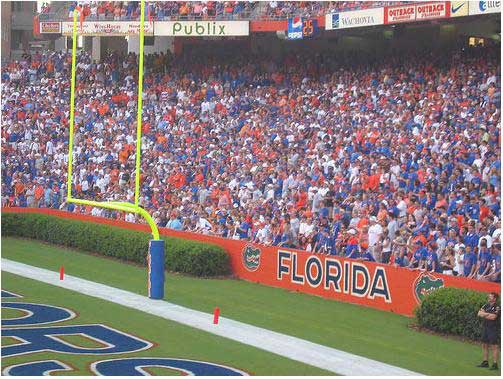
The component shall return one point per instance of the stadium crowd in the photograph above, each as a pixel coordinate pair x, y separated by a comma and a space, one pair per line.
193, 10
395, 160
163, 10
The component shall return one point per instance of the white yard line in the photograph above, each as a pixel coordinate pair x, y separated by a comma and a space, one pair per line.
313, 354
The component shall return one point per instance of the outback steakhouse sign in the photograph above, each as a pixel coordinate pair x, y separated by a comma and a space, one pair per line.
431, 11
404, 13
416, 12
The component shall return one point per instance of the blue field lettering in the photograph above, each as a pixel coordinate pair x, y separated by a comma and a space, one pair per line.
34, 336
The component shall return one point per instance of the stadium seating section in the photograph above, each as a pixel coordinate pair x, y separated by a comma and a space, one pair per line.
394, 159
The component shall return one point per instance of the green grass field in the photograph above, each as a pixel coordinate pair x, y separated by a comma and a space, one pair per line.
371, 333
170, 339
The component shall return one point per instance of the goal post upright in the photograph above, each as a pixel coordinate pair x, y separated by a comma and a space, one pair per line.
72, 109
155, 257
139, 118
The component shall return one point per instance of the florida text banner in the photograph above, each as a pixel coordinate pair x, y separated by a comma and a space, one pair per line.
375, 285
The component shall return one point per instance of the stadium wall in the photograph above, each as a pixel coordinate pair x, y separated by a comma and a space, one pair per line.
370, 284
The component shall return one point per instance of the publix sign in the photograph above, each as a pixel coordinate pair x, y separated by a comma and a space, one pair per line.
202, 28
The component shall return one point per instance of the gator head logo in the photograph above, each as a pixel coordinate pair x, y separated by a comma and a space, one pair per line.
251, 258
426, 284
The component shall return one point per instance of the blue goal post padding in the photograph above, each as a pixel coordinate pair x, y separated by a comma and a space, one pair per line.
156, 269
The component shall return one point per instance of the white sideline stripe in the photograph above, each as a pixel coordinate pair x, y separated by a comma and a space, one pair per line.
310, 353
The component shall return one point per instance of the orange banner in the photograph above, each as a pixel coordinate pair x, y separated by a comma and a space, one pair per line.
371, 284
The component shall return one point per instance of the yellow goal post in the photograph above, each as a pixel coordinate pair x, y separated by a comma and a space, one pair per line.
156, 247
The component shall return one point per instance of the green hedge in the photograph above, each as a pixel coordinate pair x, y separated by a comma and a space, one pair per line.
452, 311
184, 256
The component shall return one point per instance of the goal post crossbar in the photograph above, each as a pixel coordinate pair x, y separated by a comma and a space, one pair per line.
124, 207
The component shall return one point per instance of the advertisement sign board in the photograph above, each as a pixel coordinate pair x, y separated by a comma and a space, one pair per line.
400, 13
294, 28
432, 11
108, 28
459, 8
484, 7
202, 28
49, 27
354, 19
417, 12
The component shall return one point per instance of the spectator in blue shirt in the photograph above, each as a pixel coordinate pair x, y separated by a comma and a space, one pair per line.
175, 223
244, 230
469, 263
484, 260
471, 238
473, 209
432, 263
352, 252
47, 197
366, 256
419, 257
401, 259
325, 244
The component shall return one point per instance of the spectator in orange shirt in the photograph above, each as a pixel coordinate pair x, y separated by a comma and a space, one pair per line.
39, 192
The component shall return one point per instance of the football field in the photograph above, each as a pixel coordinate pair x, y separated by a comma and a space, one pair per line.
169, 339
369, 333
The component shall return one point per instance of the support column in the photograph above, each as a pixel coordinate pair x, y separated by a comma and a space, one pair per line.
161, 44
60, 44
96, 49
87, 43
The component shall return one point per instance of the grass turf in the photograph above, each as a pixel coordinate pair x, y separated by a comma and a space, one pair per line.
170, 339
8, 313
81, 341
378, 335
6, 341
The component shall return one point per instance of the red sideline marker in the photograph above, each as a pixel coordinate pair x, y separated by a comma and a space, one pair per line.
216, 313
61, 273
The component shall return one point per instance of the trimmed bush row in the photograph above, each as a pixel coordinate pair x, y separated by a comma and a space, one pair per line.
452, 311
184, 256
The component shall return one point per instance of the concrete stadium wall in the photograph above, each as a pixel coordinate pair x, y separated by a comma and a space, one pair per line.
161, 44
